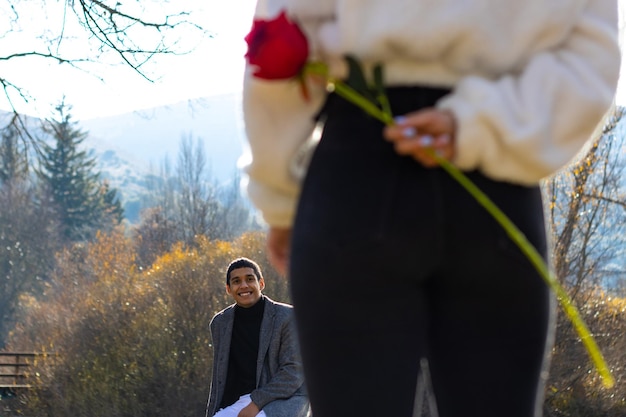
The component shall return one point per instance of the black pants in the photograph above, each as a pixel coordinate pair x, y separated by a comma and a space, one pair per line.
392, 262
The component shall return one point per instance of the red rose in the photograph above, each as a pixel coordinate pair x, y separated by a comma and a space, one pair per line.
277, 48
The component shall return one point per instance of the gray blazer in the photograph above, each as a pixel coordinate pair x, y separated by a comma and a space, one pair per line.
280, 383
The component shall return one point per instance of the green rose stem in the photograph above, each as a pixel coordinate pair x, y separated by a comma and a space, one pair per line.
529, 250
511, 230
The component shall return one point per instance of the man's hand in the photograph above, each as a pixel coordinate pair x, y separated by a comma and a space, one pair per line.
278, 246
425, 129
250, 410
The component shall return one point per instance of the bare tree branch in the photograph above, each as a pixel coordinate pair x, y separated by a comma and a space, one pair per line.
85, 32
620, 202
583, 219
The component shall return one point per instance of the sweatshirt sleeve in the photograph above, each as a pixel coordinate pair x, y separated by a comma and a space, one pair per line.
525, 126
278, 119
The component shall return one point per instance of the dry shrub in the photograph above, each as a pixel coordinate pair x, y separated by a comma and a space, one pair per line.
129, 342
574, 388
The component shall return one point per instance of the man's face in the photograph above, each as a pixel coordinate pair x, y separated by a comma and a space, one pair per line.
244, 287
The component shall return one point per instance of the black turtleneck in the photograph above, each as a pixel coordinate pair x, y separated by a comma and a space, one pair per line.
244, 350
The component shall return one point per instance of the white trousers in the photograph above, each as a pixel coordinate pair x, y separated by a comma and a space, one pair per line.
233, 410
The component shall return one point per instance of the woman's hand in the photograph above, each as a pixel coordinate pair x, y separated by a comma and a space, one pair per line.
425, 129
278, 246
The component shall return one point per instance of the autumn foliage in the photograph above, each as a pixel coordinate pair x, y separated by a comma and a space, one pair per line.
574, 388
123, 341
123, 320
129, 342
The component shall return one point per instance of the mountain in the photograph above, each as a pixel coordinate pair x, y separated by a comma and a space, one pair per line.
146, 137
130, 147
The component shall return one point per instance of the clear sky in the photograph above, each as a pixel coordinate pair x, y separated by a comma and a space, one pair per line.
215, 67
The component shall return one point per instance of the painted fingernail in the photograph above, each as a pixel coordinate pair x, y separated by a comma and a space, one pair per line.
426, 140
409, 132
399, 120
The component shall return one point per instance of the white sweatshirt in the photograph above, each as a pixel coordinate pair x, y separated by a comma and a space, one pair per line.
531, 80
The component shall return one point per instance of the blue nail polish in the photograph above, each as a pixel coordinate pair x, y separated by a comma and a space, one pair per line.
399, 120
409, 132
426, 140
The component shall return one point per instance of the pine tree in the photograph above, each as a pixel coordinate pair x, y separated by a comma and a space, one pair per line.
72, 180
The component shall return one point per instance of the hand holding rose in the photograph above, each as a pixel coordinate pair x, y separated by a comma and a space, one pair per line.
278, 50
415, 133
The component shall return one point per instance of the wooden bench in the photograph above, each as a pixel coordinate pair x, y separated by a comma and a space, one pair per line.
13, 369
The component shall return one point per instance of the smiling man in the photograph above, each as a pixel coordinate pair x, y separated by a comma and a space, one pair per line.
256, 362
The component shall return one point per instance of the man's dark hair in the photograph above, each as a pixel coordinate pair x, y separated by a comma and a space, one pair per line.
243, 263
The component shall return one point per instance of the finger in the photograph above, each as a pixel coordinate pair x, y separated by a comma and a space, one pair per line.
426, 121
442, 147
399, 132
420, 147
416, 147
409, 125
433, 121
413, 144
